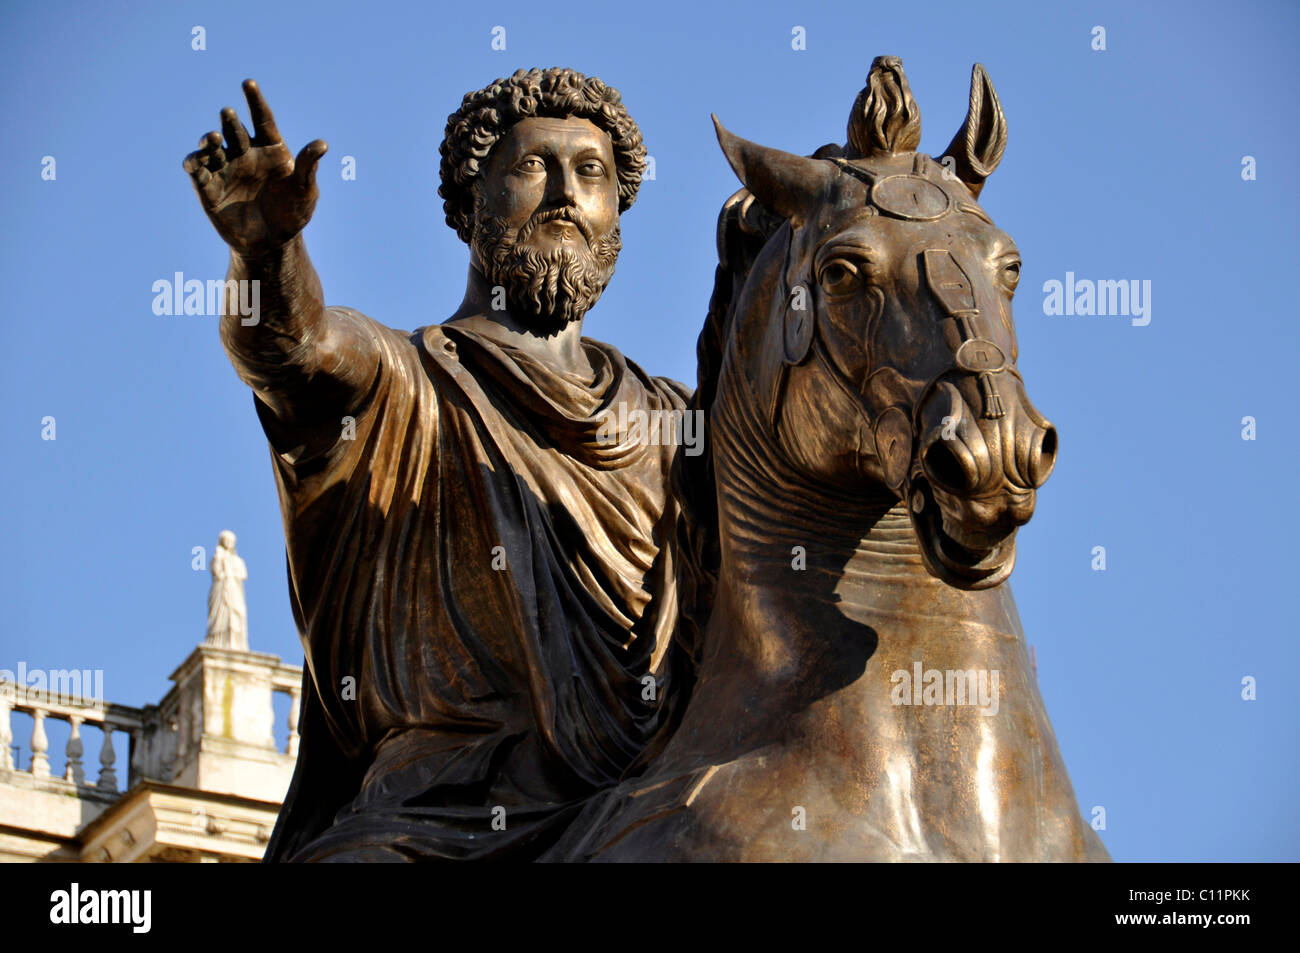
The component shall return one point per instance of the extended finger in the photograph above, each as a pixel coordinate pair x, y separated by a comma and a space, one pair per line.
304, 166
235, 133
263, 122
195, 169
210, 151
203, 181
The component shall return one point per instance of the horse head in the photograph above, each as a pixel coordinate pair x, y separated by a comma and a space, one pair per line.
875, 330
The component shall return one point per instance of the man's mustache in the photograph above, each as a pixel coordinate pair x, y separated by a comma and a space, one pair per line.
567, 213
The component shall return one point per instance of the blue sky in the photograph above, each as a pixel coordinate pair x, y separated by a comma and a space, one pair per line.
1121, 164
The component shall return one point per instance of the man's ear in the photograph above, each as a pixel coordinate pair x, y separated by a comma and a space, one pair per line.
472, 213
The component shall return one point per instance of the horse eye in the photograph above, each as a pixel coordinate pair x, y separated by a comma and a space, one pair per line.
839, 277
1011, 275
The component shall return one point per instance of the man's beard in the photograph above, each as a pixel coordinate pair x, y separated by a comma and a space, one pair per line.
557, 286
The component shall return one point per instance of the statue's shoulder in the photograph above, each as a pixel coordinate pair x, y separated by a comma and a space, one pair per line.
676, 387
357, 321
434, 345
400, 352
673, 393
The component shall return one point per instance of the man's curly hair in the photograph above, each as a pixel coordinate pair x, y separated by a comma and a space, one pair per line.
484, 117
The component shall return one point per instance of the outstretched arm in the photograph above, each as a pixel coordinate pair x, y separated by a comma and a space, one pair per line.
308, 365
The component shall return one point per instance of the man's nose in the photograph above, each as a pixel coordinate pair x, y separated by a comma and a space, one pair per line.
561, 186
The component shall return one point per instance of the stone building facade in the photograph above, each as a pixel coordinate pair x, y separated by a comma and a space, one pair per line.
204, 780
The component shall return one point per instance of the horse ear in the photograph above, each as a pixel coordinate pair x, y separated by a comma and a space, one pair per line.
977, 148
782, 182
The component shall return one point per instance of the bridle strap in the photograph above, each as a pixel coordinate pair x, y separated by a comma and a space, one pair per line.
976, 354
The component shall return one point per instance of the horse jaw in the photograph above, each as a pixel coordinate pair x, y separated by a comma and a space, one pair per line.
947, 559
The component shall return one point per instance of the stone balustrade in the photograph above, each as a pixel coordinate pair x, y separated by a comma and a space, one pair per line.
203, 777
79, 713
160, 736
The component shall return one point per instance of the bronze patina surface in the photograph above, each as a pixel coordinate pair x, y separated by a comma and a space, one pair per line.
476, 546
488, 568
864, 690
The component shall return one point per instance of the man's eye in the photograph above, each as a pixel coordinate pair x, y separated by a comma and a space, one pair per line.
532, 164
592, 168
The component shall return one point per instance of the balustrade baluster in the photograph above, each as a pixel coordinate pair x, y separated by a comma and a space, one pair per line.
6, 736
40, 745
107, 776
74, 771
291, 748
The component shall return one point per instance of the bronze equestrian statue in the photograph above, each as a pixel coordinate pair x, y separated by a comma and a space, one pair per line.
872, 452
523, 643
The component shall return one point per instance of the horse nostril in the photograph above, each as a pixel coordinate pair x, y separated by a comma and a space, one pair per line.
1043, 456
945, 468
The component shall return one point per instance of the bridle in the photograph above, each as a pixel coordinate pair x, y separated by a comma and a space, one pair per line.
909, 197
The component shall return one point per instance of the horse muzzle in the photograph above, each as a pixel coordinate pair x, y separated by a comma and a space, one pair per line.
974, 484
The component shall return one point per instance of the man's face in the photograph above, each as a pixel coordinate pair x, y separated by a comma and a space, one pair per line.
546, 217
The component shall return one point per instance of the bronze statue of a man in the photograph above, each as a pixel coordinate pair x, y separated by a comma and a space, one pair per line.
477, 553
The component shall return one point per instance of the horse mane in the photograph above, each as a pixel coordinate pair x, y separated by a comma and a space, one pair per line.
884, 120
744, 228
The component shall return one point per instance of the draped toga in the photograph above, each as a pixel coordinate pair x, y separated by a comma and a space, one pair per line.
480, 573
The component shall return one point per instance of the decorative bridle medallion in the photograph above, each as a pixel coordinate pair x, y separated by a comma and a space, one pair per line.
910, 197
978, 355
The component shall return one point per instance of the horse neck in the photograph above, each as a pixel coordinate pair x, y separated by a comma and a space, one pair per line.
786, 540
809, 575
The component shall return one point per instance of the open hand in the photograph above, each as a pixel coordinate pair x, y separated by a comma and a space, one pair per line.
254, 191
